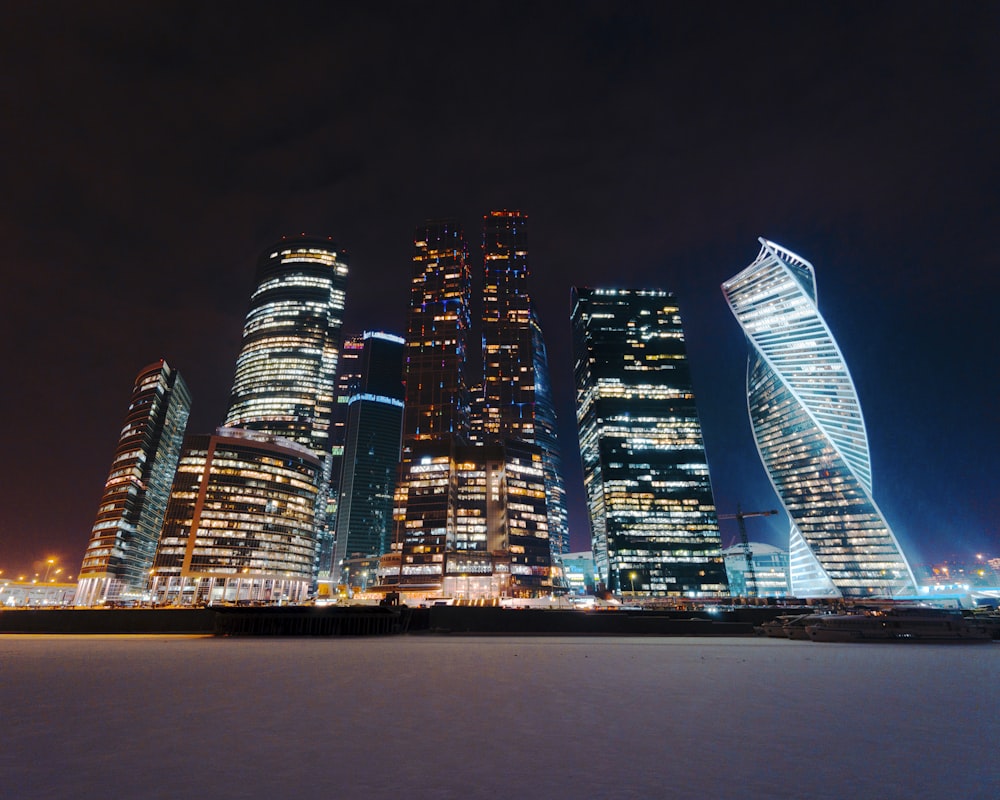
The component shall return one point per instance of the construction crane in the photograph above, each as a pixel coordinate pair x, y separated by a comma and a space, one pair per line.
739, 516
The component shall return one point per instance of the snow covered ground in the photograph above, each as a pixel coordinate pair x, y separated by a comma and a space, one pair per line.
464, 717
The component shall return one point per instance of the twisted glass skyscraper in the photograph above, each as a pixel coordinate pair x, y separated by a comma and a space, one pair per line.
810, 434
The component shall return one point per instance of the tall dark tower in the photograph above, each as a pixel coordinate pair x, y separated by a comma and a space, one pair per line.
348, 383
130, 516
371, 452
508, 366
436, 413
547, 438
285, 372
652, 512
517, 394
471, 517
437, 332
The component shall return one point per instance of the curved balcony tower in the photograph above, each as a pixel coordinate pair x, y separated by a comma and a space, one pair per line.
810, 434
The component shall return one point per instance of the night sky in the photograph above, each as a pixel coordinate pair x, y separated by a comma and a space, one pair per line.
151, 151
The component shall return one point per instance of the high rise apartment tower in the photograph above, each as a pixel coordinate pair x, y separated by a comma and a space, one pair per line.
287, 364
437, 333
128, 523
810, 434
652, 514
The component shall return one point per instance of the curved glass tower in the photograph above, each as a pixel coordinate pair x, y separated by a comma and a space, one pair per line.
810, 434
286, 367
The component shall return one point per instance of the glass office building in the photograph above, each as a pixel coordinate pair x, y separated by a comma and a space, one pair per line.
810, 434
240, 522
517, 401
653, 519
371, 452
436, 410
127, 528
547, 438
288, 360
287, 365
470, 509
348, 381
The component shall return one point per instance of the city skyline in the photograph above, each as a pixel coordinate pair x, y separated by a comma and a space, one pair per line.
656, 143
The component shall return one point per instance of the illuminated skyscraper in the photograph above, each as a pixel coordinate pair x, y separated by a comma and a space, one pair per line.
288, 361
547, 438
810, 434
436, 412
517, 398
240, 524
470, 511
348, 381
437, 332
508, 365
653, 520
770, 570
286, 368
371, 452
128, 522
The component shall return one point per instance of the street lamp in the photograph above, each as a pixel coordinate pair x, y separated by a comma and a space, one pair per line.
49, 564
631, 583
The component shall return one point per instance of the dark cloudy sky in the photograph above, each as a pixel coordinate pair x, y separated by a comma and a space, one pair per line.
150, 151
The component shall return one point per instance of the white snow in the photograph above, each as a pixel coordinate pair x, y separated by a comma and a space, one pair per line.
476, 717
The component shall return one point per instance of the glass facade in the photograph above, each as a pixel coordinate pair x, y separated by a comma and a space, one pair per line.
437, 332
127, 528
240, 522
470, 508
436, 411
475, 524
547, 438
288, 361
652, 513
508, 366
347, 385
371, 452
810, 434
287, 365
517, 401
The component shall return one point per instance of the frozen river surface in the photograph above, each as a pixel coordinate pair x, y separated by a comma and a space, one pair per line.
436, 717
